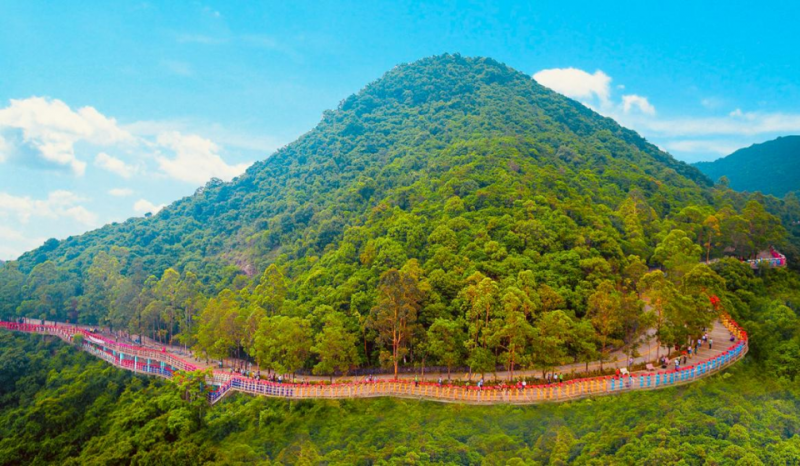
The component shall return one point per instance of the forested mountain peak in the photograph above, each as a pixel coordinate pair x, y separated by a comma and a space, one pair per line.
454, 178
439, 105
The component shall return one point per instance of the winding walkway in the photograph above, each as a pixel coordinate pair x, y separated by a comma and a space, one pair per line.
165, 364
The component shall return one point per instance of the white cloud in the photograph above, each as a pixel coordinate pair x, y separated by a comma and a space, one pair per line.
736, 123
120, 192
629, 102
144, 206
13, 243
59, 204
694, 137
196, 159
48, 130
216, 132
114, 165
576, 83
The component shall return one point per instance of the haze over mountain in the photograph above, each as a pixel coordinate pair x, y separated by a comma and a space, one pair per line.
772, 167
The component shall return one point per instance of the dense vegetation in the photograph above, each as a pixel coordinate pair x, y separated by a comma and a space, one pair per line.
454, 212
58, 405
772, 167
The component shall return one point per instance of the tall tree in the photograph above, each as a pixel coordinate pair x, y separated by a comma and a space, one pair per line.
712, 232
446, 342
678, 254
512, 333
552, 334
336, 346
271, 291
604, 311
283, 344
481, 298
394, 317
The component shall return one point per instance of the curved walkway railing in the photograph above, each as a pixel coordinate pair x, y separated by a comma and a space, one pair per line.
163, 364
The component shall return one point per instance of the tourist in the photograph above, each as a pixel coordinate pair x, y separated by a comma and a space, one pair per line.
710, 342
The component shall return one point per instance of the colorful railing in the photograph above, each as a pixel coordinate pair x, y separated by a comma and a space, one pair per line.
163, 364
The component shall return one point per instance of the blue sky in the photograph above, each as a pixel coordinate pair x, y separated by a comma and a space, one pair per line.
110, 111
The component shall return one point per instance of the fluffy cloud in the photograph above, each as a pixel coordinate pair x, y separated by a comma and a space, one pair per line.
633, 101
196, 159
120, 192
42, 132
13, 243
143, 206
59, 204
576, 83
696, 138
114, 165
48, 130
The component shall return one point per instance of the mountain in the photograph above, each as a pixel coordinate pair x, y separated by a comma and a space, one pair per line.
772, 167
459, 177
429, 142
514, 226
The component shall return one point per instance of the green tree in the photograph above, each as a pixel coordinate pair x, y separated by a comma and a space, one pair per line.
335, 346
481, 297
283, 344
604, 311
271, 291
678, 254
394, 317
553, 332
512, 333
446, 342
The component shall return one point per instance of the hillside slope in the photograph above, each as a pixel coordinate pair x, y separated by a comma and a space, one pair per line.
412, 123
505, 216
772, 167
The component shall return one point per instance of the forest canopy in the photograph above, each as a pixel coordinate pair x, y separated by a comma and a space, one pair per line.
500, 218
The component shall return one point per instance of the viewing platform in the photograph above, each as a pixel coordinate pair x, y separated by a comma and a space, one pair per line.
770, 258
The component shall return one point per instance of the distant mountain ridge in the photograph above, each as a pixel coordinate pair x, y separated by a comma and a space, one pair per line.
772, 167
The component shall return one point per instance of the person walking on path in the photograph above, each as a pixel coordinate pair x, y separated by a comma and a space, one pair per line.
710, 342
